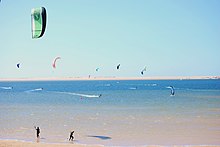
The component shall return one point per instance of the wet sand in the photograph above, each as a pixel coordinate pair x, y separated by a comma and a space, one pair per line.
12, 143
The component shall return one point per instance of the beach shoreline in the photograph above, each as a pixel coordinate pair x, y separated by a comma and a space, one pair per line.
19, 143
111, 78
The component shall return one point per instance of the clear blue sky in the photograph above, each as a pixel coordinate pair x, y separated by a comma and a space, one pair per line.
169, 37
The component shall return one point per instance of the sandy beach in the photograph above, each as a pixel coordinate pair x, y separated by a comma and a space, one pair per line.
7, 143
11, 143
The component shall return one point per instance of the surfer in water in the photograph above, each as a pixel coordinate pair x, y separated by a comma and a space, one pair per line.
71, 136
38, 131
100, 95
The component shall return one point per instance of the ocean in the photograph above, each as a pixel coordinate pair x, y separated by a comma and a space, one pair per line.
112, 113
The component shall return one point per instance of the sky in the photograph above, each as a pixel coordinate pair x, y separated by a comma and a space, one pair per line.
168, 37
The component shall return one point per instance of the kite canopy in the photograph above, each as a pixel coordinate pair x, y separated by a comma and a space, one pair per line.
18, 65
38, 20
54, 62
142, 72
118, 66
172, 92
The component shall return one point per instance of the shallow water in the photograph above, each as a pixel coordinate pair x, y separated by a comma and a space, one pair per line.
127, 113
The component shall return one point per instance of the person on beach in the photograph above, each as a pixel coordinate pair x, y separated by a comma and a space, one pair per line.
71, 136
38, 131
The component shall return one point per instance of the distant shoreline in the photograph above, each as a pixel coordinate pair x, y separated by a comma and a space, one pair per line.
111, 78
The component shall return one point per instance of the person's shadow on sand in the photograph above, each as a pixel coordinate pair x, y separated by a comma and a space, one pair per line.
74, 141
39, 138
100, 137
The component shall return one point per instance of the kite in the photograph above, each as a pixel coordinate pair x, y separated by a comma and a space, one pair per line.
54, 62
118, 66
142, 72
18, 65
172, 90
38, 20
97, 69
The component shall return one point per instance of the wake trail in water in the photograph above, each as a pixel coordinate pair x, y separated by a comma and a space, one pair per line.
80, 94
33, 90
6, 88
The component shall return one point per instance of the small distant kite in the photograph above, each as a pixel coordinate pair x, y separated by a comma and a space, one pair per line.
172, 92
54, 62
142, 72
38, 20
18, 65
118, 66
97, 69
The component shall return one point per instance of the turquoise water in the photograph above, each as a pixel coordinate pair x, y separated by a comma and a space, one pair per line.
128, 113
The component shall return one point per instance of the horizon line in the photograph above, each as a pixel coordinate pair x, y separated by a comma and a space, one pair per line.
110, 78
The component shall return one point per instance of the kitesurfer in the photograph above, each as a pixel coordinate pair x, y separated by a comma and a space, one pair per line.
172, 90
71, 136
38, 131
